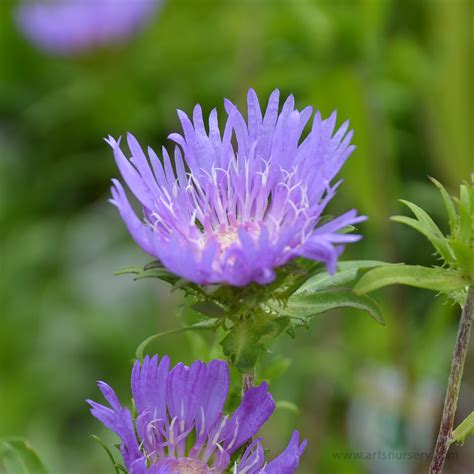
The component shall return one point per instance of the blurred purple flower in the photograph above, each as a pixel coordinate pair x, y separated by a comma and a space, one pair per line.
243, 202
71, 26
180, 425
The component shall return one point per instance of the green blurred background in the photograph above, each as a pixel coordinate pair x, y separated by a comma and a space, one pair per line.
398, 69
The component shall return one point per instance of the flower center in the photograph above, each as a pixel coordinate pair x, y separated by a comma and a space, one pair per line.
229, 235
184, 466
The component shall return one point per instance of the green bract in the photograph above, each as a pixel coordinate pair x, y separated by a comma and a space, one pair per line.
456, 250
251, 317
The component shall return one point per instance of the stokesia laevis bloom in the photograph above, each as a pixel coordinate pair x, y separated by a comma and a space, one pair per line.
71, 26
180, 426
239, 203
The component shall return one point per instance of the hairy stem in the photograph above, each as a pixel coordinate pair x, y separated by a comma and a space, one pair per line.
248, 381
454, 385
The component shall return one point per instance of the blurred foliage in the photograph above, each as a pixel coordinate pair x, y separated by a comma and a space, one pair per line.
16, 457
398, 70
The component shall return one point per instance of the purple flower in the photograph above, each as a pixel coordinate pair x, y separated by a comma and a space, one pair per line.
71, 26
180, 425
239, 203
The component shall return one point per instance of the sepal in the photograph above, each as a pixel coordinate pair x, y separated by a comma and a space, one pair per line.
119, 468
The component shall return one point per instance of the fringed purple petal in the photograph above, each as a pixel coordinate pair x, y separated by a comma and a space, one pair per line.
255, 409
140, 467
149, 380
288, 461
321, 250
184, 392
142, 234
253, 459
216, 387
119, 420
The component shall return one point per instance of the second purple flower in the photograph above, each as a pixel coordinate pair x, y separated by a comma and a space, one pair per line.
180, 426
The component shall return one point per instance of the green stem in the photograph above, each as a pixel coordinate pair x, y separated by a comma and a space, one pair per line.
454, 385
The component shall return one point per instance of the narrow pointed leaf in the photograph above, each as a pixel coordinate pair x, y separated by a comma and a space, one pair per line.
437, 279
448, 203
423, 217
151, 270
440, 243
134, 269
156, 273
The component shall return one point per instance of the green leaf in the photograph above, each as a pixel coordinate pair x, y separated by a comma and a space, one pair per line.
465, 429
448, 203
18, 457
179, 284
307, 305
465, 215
151, 270
299, 271
134, 269
465, 257
248, 338
209, 309
201, 325
272, 329
440, 243
160, 273
240, 346
348, 271
423, 217
437, 279
426, 226
153, 264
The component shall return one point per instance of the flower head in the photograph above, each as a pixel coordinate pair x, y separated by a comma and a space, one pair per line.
71, 26
240, 203
180, 426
